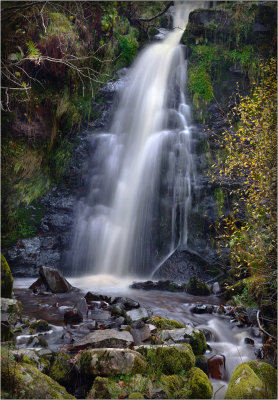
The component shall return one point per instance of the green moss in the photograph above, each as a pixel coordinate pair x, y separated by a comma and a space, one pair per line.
198, 343
40, 326
62, 371
197, 287
253, 380
136, 395
139, 366
29, 360
171, 360
174, 387
100, 388
164, 323
199, 384
59, 23
6, 279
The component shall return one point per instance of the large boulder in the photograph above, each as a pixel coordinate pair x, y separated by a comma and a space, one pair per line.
23, 380
113, 361
171, 360
197, 287
51, 279
109, 338
253, 380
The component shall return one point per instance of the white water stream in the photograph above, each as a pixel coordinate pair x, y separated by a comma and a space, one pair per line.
147, 168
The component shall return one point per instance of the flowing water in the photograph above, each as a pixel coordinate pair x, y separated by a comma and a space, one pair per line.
142, 177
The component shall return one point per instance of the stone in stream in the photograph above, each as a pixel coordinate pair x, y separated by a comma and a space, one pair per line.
113, 361
109, 338
51, 279
128, 303
138, 314
216, 367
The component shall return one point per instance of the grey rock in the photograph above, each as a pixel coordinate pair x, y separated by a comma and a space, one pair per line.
10, 310
108, 338
140, 333
216, 288
177, 335
138, 313
113, 361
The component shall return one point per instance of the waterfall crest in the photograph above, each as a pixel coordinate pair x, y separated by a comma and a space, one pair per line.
137, 208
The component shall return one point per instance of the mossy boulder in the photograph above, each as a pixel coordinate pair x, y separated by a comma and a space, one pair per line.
199, 384
164, 323
171, 360
198, 342
193, 385
11, 310
100, 389
197, 287
40, 326
174, 387
253, 380
6, 279
107, 362
25, 381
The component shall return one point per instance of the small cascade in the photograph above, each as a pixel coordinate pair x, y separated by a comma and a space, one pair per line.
142, 172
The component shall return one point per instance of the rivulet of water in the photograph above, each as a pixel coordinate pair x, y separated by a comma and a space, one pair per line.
141, 184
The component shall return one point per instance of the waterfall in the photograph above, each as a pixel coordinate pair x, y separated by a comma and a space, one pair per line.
140, 193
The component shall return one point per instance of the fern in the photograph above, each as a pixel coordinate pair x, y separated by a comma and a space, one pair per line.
32, 50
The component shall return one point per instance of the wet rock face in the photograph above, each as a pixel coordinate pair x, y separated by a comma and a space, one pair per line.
181, 266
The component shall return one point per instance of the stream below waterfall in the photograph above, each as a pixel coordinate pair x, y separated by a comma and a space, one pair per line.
226, 338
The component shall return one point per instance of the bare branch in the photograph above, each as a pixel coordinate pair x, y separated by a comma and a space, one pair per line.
156, 16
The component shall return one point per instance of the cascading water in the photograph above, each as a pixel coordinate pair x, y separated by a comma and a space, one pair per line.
143, 172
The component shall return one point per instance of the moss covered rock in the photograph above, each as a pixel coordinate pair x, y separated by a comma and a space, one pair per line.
198, 343
136, 395
6, 279
171, 360
253, 380
25, 381
62, 371
197, 287
164, 323
100, 389
199, 384
194, 385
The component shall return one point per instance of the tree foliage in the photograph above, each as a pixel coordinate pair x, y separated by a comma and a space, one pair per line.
250, 147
